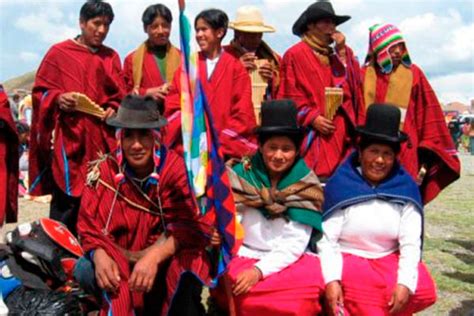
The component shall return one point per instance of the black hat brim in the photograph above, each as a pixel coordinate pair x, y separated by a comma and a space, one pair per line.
278, 130
402, 136
300, 26
113, 121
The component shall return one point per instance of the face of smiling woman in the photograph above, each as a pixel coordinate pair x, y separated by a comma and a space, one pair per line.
138, 145
279, 154
376, 161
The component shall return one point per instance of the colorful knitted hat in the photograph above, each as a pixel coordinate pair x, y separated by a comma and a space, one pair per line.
381, 38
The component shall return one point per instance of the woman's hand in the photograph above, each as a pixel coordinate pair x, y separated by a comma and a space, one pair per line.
246, 280
334, 297
399, 299
106, 271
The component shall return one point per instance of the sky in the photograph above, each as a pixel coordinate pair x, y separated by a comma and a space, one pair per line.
439, 33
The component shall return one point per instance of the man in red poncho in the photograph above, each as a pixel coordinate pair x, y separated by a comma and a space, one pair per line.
389, 76
249, 47
9, 152
226, 85
64, 140
138, 223
312, 68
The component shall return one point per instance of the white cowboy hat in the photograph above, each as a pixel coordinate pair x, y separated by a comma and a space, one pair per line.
250, 19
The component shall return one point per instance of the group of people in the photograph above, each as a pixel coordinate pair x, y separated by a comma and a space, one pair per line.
121, 185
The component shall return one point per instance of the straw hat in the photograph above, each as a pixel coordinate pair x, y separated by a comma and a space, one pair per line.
250, 19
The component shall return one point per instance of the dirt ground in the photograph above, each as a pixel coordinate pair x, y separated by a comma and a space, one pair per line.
449, 242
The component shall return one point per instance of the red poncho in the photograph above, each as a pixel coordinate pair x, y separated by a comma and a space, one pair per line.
78, 137
9, 152
151, 76
228, 93
303, 79
102, 224
429, 140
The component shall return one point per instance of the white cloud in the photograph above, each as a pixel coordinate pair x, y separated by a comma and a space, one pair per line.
438, 39
48, 23
454, 87
29, 57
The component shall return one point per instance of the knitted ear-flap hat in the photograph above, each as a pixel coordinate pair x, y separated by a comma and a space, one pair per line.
381, 38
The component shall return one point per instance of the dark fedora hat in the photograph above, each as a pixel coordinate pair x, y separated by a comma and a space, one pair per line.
317, 11
279, 117
137, 112
382, 124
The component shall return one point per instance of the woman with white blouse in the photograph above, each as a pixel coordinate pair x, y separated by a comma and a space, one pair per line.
373, 228
279, 200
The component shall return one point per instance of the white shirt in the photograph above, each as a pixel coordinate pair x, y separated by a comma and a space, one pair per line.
211, 65
373, 229
277, 243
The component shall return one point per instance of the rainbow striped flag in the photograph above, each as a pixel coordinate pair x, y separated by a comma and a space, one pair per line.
204, 161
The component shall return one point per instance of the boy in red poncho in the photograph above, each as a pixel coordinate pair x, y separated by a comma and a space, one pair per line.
149, 69
226, 85
138, 224
389, 76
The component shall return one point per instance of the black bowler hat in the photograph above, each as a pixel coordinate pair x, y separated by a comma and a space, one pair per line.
382, 124
279, 117
137, 112
315, 12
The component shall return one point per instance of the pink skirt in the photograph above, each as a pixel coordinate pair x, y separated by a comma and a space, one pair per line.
368, 285
296, 290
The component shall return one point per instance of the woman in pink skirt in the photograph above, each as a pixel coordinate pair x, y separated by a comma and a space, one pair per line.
279, 201
373, 228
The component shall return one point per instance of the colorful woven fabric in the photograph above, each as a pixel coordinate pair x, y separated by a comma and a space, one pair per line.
381, 38
202, 154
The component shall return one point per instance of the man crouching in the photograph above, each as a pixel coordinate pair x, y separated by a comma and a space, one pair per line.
138, 224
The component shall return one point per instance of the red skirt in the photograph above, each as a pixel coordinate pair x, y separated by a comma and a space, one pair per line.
368, 285
296, 290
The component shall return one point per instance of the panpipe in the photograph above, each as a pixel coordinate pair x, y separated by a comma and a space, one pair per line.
259, 88
333, 98
86, 105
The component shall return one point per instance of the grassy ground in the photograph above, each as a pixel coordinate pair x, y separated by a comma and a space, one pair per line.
449, 245
448, 250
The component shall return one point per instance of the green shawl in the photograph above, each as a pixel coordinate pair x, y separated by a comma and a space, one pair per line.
298, 195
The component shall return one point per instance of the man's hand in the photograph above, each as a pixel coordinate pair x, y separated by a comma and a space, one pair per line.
158, 93
266, 71
248, 60
334, 297
106, 271
144, 272
108, 113
323, 125
340, 40
67, 102
399, 299
246, 280
216, 239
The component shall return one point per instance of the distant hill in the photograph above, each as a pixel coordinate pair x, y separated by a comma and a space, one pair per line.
25, 81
